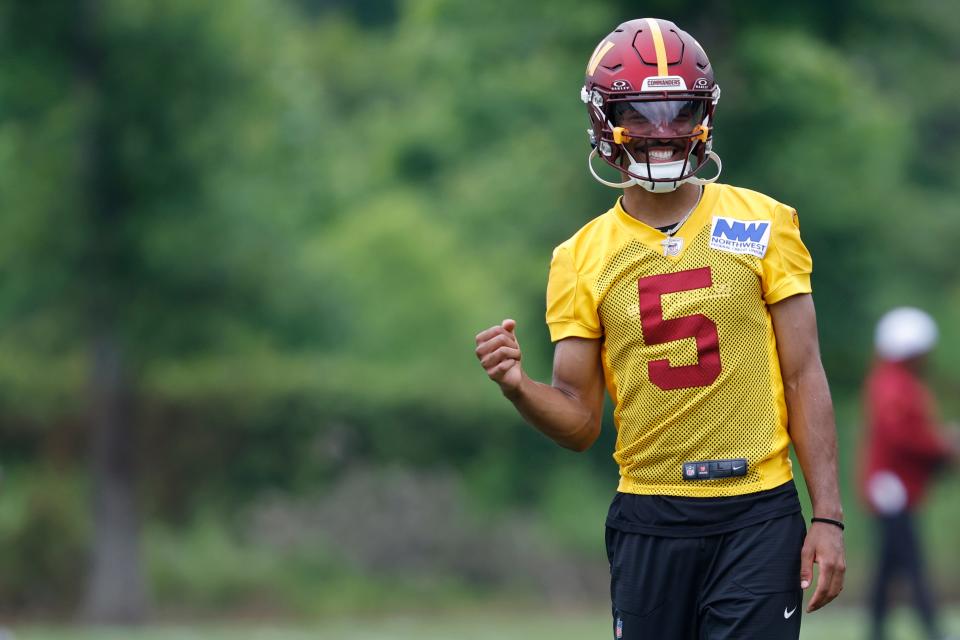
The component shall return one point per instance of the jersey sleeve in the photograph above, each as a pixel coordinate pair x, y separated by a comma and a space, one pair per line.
787, 264
571, 310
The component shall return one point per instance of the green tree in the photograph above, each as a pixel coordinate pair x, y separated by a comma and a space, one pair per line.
150, 156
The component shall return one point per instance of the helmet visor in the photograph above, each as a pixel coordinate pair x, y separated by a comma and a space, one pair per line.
659, 117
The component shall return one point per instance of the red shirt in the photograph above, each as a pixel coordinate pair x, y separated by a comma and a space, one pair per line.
902, 432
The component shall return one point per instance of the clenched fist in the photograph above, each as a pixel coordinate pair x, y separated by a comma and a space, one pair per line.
499, 355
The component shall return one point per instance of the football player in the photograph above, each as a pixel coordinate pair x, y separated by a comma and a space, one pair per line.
689, 302
905, 447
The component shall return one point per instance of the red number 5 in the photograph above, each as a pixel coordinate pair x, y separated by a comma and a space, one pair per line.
658, 330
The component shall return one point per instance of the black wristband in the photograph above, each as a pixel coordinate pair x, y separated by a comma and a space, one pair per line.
835, 523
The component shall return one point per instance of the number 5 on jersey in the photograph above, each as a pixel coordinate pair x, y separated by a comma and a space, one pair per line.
658, 330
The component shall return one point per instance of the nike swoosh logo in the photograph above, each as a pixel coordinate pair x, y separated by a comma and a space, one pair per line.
738, 468
787, 614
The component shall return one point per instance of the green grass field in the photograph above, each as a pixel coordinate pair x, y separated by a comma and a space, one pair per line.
835, 624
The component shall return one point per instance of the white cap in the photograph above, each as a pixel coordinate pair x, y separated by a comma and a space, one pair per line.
905, 332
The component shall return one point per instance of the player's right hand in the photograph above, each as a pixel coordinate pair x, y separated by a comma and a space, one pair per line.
499, 355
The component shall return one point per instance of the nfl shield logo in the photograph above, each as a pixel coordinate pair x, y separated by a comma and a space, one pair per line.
619, 628
672, 246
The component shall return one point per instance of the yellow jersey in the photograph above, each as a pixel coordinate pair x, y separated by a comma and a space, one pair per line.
688, 349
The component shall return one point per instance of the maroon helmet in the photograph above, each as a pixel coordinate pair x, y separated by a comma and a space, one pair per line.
650, 94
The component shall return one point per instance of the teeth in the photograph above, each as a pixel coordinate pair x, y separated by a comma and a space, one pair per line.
656, 154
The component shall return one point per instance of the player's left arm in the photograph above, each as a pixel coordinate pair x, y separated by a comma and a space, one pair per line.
814, 435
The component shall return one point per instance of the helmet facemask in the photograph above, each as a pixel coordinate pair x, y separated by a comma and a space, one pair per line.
659, 141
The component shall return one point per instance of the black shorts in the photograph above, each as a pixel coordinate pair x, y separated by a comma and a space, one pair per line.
742, 585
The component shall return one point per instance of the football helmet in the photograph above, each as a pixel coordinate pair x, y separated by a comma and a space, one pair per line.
651, 94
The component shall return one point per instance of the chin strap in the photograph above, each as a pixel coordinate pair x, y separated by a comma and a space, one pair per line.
616, 185
653, 185
702, 181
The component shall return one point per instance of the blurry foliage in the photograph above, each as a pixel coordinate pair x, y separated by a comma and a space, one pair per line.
322, 202
315, 553
44, 534
574, 503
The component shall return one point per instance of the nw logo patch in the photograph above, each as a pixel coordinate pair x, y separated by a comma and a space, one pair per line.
749, 237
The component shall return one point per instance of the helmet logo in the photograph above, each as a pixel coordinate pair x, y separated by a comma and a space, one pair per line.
620, 85
701, 83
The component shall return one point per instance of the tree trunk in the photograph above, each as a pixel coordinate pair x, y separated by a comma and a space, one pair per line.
115, 591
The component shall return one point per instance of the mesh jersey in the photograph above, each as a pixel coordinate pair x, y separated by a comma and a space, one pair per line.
689, 353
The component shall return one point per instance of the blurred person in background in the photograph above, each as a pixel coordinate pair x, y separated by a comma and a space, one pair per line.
691, 302
905, 447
